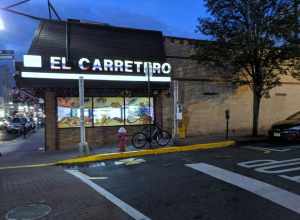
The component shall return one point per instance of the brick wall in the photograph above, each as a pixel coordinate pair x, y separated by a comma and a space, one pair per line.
50, 123
207, 92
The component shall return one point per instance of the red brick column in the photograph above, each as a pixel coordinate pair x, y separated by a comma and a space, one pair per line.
51, 118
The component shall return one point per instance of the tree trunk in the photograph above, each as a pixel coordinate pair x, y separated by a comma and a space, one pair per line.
256, 108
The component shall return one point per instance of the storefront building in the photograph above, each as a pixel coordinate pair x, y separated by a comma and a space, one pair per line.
114, 62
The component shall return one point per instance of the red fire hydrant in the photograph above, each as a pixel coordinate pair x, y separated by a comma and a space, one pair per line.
122, 139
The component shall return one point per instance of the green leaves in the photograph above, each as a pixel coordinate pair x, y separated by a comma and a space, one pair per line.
255, 37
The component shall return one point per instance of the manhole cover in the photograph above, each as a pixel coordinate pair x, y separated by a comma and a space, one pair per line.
28, 212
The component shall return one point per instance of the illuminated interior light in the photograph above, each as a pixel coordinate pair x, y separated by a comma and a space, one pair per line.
32, 61
75, 76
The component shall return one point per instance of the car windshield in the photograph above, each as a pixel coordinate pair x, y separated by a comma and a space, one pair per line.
294, 117
16, 120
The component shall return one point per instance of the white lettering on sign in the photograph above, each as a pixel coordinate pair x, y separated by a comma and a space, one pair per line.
82, 63
119, 64
55, 63
108, 65
275, 167
128, 66
156, 68
138, 65
64, 64
97, 65
166, 68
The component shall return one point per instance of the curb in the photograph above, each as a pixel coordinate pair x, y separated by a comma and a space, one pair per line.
164, 150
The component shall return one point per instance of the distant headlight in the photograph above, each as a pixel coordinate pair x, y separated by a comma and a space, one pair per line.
295, 128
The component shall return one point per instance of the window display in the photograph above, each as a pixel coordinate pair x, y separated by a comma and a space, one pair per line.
68, 112
137, 111
104, 111
108, 111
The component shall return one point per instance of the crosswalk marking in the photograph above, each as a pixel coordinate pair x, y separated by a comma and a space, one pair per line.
135, 214
277, 195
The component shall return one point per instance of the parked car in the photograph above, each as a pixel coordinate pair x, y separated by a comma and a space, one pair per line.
288, 129
18, 125
32, 123
4, 122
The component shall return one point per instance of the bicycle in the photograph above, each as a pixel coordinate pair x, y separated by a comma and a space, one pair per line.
148, 134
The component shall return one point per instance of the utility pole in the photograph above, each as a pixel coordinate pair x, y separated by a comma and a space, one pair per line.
149, 73
83, 145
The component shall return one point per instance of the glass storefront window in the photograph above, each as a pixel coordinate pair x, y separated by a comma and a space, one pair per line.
108, 111
137, 111
105, 111
68, 112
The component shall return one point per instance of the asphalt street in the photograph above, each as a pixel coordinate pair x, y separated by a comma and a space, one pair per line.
258, 181
163, 187
4, 136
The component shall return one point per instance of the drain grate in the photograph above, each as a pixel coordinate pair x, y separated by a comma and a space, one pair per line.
28, 212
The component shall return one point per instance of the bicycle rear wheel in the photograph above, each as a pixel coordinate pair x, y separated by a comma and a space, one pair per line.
163, 138
139, 140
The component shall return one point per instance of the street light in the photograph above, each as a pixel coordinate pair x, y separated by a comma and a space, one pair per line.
2, 27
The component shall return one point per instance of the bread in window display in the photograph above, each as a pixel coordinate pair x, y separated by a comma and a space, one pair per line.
69, 122
68, 102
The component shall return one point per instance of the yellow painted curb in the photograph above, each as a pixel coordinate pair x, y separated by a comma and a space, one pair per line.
163, 150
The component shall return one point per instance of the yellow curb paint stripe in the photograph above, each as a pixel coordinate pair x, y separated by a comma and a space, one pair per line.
164, 150
28, 166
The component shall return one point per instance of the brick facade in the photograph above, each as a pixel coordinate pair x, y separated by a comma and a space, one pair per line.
207, 92
69, 138
50, 123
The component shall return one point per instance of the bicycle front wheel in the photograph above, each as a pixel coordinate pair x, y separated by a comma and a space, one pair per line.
163, 138
139, 140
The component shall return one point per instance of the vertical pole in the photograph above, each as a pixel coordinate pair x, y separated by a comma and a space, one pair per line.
83, 146
149, 71
175, 102
227, 128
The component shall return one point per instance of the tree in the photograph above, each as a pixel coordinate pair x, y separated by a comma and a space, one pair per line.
255, 38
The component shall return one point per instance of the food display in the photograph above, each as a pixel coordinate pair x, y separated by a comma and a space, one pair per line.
108, 111
104, 111
68, 112
137, 111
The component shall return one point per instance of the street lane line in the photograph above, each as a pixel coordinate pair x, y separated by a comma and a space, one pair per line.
277, 195
27, 166
135, 214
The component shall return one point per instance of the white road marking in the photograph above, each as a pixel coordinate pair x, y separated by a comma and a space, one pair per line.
271, 169
277, 195
267, 150
263, 163
98, 178
135, 214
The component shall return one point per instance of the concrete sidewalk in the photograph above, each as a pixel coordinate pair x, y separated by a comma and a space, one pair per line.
30, 150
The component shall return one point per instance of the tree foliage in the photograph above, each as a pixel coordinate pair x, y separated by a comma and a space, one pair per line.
257, 38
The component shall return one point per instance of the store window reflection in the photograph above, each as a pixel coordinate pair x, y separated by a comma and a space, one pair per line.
137, 111
68, 112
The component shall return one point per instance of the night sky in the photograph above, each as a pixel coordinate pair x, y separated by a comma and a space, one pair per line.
173, 18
